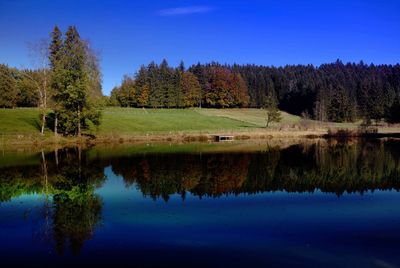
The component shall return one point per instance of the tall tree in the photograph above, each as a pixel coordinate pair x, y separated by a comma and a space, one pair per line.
71, 82
56, 68
157, 94
41, 78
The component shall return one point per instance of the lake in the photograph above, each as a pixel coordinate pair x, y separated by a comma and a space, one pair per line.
294, 204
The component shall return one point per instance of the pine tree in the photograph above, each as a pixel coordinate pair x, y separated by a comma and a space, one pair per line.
157, 95
56, 68
340, 108
176, 81
71, 83
56, 47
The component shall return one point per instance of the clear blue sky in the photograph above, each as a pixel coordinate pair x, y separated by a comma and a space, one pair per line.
276, 32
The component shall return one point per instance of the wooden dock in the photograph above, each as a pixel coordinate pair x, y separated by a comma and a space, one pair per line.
223, 138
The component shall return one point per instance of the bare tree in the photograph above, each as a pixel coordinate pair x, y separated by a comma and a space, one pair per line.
39, 53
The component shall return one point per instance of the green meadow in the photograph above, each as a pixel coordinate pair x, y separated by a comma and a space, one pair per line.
149, 121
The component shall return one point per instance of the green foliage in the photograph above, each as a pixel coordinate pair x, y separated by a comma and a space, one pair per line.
28, 95
8, 88
74, 73
340, 108
273, 113
56, 47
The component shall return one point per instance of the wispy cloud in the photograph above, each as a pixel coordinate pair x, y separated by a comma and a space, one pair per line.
185, 10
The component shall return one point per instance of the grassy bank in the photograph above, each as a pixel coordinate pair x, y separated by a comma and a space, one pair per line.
21, 126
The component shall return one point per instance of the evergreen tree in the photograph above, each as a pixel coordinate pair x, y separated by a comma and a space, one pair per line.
56, 47
157, 93
56, 68
142, 87
340, 108
71, 83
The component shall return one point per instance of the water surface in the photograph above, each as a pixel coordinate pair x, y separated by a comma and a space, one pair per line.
323, 203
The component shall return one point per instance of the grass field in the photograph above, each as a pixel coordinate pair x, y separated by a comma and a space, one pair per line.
152, 121
21, 120
130, 120
23, 123
256, 117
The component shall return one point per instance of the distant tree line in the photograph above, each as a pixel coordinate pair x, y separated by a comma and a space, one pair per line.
331, 92
161, 86
68, 83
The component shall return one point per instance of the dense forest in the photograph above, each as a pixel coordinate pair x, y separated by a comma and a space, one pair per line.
331, 92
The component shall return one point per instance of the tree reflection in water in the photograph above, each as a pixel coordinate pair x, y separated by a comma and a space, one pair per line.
68, 178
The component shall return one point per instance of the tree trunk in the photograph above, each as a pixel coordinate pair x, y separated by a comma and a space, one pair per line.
56, 155
55, 124
79, 121
43, 122
44, 101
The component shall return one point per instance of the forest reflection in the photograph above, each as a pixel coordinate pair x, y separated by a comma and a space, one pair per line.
72, 210
331, 167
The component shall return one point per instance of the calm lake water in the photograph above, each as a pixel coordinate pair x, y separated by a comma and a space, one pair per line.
322, 203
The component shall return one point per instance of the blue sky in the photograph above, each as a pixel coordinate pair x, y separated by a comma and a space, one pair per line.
131, 33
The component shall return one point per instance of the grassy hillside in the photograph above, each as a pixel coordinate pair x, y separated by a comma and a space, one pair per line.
21, 120
133, 121
256, 117
140, 121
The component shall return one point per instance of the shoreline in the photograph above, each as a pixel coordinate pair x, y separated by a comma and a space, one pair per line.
38, 141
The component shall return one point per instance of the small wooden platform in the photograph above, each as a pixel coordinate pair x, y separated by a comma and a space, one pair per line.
223, 138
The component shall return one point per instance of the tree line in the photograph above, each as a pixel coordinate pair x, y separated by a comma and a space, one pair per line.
335, 92
67, 83
162, 86
331, 92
